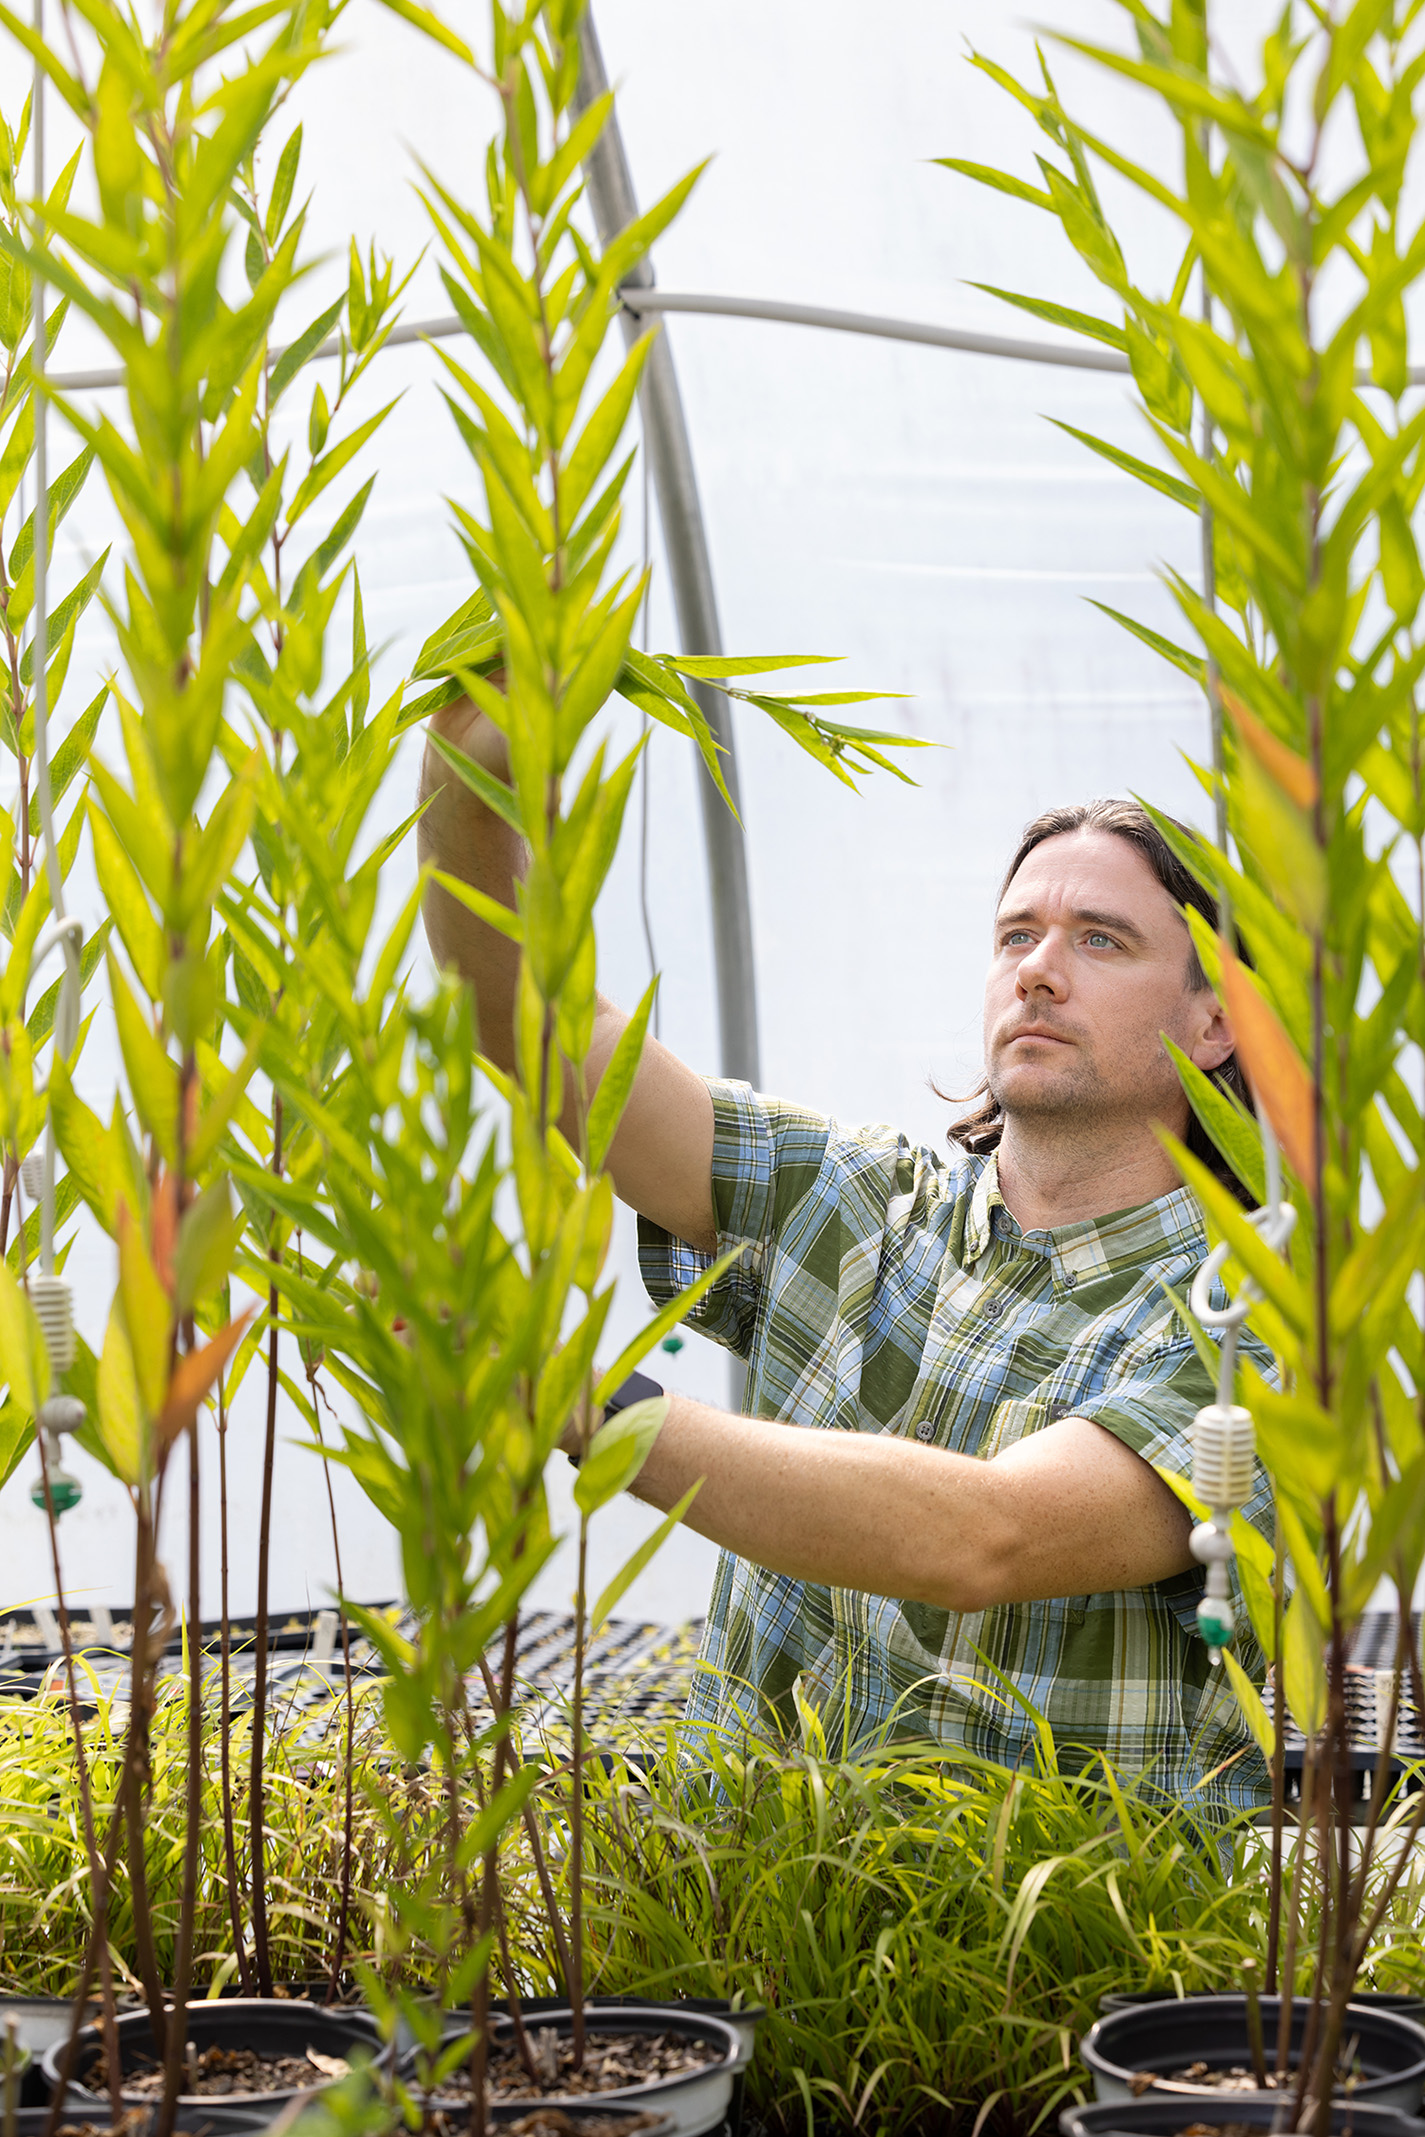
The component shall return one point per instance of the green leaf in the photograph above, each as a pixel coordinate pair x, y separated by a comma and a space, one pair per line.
152, 1076
617, 1081
485, 908
999, 181
665, 1320
611, 1596
1060, 315
422, 19
617, 1452
290, 362
283, 183
1156, 478
128, 905
1191, 664
1303, 1665
1249, 1699
24, 1360
331, 464
1226, 1120
498, 797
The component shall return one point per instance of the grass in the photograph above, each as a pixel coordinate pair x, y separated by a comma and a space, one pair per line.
929, 1943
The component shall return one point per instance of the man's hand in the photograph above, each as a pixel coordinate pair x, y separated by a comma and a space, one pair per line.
1069, 1511
661, 1158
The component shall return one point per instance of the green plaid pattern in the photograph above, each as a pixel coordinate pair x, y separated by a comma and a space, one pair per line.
885, 1288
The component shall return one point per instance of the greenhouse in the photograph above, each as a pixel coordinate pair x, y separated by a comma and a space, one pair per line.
711, 1037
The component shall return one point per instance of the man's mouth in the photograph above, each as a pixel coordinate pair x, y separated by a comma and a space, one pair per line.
1038, 1031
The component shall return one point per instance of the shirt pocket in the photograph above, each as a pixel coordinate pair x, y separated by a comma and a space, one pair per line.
1012, 1422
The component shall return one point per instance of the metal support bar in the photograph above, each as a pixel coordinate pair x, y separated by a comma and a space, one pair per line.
640, 297
670, 456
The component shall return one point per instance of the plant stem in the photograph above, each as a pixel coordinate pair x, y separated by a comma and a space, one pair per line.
257, 1800
576, 1786
349, 1784
1274, 1904
541, 1863
134, 1784
224, 1749
193, 1807
97, 1878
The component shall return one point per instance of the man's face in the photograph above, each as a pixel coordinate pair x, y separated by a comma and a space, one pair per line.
1089, 967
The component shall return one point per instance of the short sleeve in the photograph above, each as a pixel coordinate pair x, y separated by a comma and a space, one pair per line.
1150, 1406
766, 1157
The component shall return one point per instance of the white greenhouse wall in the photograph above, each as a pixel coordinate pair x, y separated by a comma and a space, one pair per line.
910, 509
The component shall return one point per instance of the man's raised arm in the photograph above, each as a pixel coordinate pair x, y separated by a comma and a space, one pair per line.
661, 1159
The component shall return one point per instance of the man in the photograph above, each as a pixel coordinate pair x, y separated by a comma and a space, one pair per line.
986, 1347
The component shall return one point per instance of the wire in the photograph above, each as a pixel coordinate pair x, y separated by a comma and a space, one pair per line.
64, 930
643, 809
1276, 1221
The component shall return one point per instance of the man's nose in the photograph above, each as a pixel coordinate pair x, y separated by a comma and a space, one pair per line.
1041, 970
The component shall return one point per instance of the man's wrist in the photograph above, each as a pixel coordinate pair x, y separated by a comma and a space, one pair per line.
639, 1387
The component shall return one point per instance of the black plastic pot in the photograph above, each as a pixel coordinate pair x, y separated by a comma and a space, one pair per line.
266, 2027
1403, 2004
744, 2020
696, 2102
1166, 2036
198, 2120
1164, 2114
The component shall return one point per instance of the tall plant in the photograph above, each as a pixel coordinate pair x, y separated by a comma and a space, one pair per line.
297, 1120
470, 1352
173, 144
1285, 329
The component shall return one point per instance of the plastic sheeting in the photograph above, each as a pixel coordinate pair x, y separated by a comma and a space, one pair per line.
914, 511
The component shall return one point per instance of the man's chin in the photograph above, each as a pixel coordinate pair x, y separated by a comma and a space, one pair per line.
1040, 1089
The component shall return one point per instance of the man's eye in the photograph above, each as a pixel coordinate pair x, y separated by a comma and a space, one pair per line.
1100, 941
1015, 937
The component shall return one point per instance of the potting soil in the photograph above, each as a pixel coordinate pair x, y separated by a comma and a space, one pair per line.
553, 2122
216, 2072
1238, 2078
611, 2062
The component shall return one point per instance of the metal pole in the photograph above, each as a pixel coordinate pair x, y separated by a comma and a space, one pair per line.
665, 433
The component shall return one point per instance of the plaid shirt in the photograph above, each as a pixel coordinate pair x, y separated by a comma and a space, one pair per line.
885, 1288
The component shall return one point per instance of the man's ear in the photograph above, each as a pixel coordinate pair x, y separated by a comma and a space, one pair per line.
1212, 1037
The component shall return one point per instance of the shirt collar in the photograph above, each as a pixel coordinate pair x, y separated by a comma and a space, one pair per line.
1097, 1247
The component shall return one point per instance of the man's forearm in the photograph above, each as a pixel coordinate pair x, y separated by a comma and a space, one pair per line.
1069, 1511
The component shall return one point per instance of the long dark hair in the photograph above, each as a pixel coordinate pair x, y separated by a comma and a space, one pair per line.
981, 1128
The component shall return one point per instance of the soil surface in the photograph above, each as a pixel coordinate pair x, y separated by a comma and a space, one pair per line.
611, 2061
1221, 2129
1239, 2077
216, 2072
553, 2122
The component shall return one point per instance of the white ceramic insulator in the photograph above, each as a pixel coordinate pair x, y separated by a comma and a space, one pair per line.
54, 1310
32, 1175
1224, 1448
1210, 1545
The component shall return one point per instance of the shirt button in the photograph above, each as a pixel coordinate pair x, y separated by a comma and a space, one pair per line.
993, 1309
1058, 1411
925, 1430
1070, 1279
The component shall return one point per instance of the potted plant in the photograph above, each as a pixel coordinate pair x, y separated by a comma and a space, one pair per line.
300, 1121
1272, 374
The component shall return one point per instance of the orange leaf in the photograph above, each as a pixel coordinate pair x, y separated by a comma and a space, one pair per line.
163, 1223
194, 1374
1280, 1084
1292, 773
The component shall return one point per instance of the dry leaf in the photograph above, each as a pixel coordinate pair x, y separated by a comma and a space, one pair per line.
330, 2066
194, 1374
1280, 1084
1292, 773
